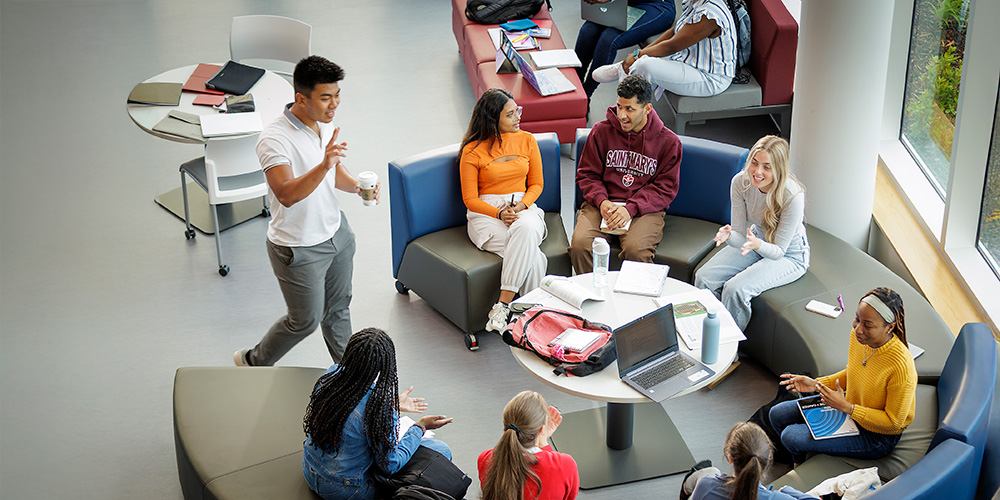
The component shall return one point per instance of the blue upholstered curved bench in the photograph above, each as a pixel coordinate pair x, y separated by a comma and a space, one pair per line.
945, 456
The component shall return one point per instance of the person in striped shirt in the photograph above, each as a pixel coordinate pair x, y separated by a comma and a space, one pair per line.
697, 57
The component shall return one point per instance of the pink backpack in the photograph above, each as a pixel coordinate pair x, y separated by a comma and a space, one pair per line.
538, 326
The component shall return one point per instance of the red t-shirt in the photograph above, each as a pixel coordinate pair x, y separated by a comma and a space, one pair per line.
557, 471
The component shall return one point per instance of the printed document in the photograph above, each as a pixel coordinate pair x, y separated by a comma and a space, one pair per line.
690, 309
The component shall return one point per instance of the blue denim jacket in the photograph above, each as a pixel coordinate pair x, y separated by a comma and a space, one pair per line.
345, 474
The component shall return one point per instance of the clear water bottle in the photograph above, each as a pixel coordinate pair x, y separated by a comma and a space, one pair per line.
710, 338
602, 257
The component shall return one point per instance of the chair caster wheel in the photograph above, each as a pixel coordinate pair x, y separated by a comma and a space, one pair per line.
189, 234
265, 212
223, 270
471, 343
401, 288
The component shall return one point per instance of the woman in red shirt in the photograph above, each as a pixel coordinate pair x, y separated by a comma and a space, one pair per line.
522, 465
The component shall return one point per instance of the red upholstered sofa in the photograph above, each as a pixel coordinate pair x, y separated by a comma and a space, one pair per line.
561, 113
774, 37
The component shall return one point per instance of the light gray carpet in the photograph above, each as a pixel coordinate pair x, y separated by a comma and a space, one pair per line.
102, 298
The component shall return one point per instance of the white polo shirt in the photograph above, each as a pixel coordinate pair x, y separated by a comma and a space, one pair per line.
315, 219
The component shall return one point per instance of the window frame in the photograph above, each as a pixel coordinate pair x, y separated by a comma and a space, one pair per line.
952, 223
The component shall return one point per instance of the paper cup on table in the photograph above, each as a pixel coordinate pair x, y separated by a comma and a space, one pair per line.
368, 180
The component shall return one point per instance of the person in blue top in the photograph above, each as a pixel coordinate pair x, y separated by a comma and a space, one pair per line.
352, 421
749, 450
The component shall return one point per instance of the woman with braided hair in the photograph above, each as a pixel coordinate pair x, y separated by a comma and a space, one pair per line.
880, 382
352, 420
522, 465
749, 450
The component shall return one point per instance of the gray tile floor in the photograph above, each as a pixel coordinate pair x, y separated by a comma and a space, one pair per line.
102, 299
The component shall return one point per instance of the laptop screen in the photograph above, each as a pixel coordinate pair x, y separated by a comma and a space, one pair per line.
526, 70
645, 338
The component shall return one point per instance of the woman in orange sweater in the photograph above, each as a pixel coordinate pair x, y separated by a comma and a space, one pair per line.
501, 175
880, 382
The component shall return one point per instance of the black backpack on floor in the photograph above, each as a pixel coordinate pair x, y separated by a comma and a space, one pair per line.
501, 11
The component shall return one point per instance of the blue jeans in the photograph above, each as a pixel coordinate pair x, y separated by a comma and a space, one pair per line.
355, 488
787, 422
743, 277
598, 45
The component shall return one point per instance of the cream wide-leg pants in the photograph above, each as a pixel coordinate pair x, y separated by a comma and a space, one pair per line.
518, 245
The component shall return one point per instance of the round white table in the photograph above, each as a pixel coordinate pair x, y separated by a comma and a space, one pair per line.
601, 439
270, 95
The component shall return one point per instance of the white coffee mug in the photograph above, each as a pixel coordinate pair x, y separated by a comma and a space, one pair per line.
368, 180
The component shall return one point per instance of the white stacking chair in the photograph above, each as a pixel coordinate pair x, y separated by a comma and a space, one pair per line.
229, 172
272, 42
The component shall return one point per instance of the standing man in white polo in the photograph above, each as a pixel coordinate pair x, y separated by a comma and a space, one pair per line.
309, 242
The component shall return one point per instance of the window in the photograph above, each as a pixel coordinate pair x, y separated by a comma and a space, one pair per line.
989, 220
934, 72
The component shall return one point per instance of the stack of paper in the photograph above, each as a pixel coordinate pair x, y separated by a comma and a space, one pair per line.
641, 278
690, 309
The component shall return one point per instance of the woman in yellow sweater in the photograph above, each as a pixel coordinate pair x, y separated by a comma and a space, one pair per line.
880, 381
501, 175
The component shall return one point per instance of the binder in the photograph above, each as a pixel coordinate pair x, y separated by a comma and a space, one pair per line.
235, 78
156, 93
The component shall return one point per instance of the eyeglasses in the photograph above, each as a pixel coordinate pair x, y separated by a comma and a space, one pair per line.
515, 112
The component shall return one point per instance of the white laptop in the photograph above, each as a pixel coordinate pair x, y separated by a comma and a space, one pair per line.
223, 124
614, 14
547, 82
649, 359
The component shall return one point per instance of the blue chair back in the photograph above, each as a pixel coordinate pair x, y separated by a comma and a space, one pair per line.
942, 473
965, 391
425, 194
707, 169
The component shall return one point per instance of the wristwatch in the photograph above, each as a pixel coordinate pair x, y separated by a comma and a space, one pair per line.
635, 53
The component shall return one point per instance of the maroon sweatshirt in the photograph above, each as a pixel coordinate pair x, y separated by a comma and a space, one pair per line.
642, 169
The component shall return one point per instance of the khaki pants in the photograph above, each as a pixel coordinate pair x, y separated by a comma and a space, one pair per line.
638, 244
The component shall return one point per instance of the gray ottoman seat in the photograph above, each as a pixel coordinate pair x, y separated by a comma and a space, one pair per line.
238, 431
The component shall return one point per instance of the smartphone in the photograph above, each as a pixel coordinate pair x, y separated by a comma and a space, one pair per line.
823, 308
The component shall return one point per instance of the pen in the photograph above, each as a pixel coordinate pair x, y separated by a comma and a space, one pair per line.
512, 200
840, 299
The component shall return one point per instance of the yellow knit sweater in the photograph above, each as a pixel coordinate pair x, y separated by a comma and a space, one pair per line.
882, 390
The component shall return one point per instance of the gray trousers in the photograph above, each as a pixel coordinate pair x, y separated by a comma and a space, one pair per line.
316, 284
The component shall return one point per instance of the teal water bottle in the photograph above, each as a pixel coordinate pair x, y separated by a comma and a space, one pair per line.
710, 338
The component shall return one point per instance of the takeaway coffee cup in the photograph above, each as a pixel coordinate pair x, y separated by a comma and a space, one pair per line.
368, 180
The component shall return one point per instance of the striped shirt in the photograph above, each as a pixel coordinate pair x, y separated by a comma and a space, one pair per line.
711, 55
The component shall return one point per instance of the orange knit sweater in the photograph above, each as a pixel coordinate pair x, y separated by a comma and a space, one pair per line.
480, 174
882, 390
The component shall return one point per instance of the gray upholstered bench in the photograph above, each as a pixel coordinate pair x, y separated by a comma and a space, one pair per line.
238, 431
785, 337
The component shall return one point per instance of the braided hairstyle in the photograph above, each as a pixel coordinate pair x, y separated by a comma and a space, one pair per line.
748, 447
485, 122
369, 363
510, 464
894, 302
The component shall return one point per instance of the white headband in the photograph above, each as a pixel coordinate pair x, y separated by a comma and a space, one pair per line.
879, 307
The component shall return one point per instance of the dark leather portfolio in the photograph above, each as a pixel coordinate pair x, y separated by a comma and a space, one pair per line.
235, 78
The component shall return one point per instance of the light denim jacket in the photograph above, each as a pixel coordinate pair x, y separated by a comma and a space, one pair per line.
345, 474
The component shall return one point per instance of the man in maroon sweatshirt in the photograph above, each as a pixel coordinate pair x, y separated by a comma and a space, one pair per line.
629, 173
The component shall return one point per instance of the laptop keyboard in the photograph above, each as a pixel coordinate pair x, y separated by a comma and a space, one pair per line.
662, 371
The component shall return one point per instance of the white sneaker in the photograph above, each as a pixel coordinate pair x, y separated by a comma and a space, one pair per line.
240, 357
607, 73
498, 318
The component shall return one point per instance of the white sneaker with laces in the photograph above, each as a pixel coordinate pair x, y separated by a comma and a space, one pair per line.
498, 318
607, 73
240, 357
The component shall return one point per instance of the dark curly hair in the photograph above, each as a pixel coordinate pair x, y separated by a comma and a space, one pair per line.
370, 358
636, 86
485, 122
894, 302
312, 71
